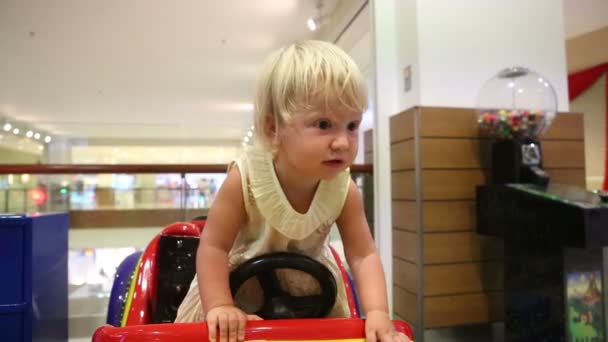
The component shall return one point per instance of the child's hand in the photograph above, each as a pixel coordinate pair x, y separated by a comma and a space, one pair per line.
379, 328
230, 321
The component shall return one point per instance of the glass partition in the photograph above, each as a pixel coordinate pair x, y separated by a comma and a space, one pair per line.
45, 193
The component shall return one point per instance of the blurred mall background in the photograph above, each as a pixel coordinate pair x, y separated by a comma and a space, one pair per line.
171, 82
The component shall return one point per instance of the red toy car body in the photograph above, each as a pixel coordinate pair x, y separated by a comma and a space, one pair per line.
137, 321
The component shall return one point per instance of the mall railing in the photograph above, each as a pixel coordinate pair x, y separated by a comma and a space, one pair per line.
125, 195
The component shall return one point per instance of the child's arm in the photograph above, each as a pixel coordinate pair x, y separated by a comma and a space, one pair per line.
361, 253
365, 264
226, 216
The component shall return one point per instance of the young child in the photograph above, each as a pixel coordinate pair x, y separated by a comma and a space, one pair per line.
285, 193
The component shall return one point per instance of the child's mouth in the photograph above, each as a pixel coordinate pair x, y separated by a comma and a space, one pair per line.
334, 163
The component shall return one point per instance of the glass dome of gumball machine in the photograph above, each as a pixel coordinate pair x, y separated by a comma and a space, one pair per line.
513, 109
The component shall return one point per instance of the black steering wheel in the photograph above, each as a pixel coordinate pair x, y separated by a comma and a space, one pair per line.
278, 303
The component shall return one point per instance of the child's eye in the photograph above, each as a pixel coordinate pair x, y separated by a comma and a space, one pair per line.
352, 126
323, 124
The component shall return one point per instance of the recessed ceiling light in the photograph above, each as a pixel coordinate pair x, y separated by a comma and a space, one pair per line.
312, 24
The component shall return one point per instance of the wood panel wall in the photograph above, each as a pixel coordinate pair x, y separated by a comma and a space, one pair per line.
442, 269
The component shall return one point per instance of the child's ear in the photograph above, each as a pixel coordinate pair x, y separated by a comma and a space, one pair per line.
272, 132
270, 127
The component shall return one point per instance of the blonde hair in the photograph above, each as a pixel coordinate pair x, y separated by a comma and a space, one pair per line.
300, 75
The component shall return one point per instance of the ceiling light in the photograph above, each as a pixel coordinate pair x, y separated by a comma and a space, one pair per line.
250, 134
314, 23
21, 128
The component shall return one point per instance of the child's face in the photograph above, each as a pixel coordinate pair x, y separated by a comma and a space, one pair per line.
318, 144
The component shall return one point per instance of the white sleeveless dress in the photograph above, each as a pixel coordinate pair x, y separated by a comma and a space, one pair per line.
274, 226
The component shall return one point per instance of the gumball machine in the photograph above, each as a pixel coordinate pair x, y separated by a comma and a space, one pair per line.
555, 237
513, 109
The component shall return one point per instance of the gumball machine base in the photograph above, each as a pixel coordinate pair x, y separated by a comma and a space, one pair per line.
518, 161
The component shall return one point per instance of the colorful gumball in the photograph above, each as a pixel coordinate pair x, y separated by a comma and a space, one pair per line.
509, 124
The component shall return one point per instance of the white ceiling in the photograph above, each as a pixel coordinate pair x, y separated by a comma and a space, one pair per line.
583, 16
140, 68
153, 69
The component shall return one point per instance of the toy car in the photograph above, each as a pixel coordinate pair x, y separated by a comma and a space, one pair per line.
149, 287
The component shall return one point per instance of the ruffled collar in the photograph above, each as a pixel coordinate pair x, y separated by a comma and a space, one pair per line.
273, 205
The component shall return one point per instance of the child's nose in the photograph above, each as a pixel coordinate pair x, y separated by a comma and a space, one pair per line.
340, 142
